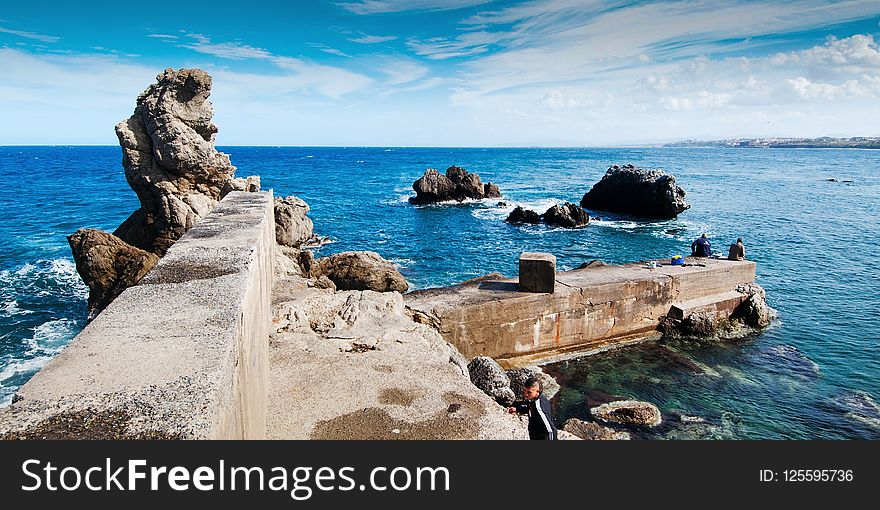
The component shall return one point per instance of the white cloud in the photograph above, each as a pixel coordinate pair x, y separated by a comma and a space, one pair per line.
230, 50
162, 36
30, 35
373, 39
386, 6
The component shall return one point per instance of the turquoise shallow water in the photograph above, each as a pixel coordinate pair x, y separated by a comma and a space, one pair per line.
815, 374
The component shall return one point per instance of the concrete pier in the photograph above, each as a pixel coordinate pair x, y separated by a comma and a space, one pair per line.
183, 354
591, 308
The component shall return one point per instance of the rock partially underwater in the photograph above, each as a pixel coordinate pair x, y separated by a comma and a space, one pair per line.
566, 215
637, 191
456, 185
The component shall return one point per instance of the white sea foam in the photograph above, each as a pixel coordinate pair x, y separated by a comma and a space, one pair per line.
10, 308
50, 337
861, 407
19, 367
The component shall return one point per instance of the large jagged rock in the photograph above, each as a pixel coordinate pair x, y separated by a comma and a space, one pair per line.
754, 311
487, 375
628, 412
292, 226
593, 431
458, 184
108, 265
566, 215
637, 191
360, 270
170, 160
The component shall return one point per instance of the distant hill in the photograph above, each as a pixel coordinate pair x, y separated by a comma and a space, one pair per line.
825, 142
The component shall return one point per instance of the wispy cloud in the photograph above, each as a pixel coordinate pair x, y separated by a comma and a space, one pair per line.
386, 6
230, 50
373, 39
30, 35
163, 36
329, 50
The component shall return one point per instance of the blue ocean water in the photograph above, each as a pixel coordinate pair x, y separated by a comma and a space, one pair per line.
814, 374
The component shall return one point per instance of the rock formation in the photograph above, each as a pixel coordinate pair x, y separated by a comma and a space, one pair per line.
108, 265
565, 215
360, 270
628, 412
593, 431
520, 216
752, 314
171, 164
292, 227
631, 190
170, 160
458, 184
487, 375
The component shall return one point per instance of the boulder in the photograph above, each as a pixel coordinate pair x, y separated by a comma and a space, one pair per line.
170, 161
518, 378
520, 216
593, 431
457, 184
754, 311
567, 215
628, 412
592, 264
108, 265
292, 226
487, 375
637, 191
360, 270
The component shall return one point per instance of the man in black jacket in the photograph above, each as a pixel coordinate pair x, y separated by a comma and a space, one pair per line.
536, 405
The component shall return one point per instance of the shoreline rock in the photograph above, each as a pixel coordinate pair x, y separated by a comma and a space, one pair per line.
359, 270
592, 431
488, 376
753, 314
456, 185
637, 191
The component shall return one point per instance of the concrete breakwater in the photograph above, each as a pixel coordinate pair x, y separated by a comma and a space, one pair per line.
590, 309
183, 354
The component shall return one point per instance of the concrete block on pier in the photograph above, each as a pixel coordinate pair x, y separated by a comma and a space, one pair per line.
537, 272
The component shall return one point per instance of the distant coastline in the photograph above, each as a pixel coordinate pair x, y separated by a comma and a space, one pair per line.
825, 142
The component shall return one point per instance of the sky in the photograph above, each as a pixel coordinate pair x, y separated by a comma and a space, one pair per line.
449, 72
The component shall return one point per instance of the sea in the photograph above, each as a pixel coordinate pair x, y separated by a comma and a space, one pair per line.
808, 217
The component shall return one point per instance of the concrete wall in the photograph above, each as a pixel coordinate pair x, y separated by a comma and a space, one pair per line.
590, 308
181, 355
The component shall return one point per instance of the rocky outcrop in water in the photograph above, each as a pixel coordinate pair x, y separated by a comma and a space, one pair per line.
171, 164
565, 215
631, 190
360, 270
487, 375
750, 315
628, 412
108, 265
292, 227
458, 184
593, 431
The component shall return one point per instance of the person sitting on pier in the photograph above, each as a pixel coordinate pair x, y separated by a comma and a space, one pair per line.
536, 405
737, 250
701, 247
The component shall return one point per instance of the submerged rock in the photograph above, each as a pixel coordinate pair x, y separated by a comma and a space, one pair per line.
637, 191
567, 215
629, 412
457, 184
292, 226
593, 431
108, 265
487, 375
360, 270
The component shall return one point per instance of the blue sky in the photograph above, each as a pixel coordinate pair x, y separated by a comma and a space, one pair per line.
450, 73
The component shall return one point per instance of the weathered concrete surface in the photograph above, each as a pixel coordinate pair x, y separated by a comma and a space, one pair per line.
354, 365
591, 308
537, 272
183, 354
